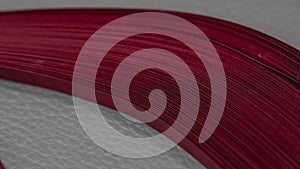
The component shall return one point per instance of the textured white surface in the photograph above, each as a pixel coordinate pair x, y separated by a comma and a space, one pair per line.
39, 128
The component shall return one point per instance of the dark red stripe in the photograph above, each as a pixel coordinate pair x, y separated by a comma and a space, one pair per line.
1, 165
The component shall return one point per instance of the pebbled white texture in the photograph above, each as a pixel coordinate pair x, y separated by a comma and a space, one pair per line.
39, 129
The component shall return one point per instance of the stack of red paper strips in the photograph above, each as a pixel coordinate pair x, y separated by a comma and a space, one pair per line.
260, 127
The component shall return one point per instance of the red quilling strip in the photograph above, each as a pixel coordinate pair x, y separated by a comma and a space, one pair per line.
260, 126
